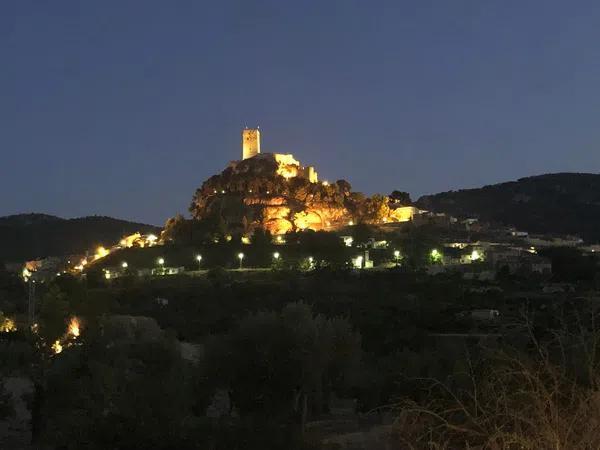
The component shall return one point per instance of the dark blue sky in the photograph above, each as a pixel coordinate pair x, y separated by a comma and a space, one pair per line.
124, 107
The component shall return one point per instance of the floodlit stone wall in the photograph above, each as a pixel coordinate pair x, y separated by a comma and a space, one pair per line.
250, 142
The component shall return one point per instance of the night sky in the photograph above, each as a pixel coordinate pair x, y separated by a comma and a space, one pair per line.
123, 108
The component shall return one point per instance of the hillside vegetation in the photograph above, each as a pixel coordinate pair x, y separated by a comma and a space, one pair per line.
29, 236
565, 203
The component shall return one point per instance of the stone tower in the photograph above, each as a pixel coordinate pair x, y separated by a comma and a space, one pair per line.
250, 142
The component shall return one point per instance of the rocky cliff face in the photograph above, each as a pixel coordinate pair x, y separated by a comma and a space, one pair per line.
256, 192
253, 193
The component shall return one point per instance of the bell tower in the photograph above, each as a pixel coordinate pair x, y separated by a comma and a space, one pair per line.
250, 142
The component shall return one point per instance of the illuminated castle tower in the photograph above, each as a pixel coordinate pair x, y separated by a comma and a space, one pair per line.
250, 142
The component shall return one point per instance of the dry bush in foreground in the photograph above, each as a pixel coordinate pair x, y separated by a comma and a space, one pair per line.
512, 401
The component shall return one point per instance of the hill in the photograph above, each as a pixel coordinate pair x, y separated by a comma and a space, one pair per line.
29, 236
564, 203
268, 192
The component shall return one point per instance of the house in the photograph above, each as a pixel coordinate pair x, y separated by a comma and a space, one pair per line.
168, 270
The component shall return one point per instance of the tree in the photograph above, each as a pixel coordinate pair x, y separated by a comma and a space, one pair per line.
376, 209
177, 229
117, 391
282, 364
401, 197
361, 233
344, 186
54, 312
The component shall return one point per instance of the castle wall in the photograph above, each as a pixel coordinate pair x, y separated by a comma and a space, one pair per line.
288, 166
311, 174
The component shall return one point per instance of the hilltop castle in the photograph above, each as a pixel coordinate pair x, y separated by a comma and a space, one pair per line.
273, 191
288, 166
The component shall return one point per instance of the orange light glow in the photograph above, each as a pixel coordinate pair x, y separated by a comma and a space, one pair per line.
74, 327
101, 252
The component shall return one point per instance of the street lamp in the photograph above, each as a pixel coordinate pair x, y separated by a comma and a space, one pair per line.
199, 259
161, 261
241, 258
276, 255
396, 255
436, 256
124, 265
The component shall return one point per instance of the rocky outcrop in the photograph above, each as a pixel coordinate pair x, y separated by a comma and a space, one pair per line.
263, 192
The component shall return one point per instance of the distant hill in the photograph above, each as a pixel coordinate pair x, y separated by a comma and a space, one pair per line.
30, 236
565, 203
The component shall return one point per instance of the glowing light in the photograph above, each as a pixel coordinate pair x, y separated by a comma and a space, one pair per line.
240, 256
287, 166
358, 261
151, 239
7, 325
325, 183
276, 255
279, 239
245, 240
101, 252
198, 258
475, 255
124, 265
436, 256
160, 261
396, 254
107, 275
351, 223
348, 240
73, 328
57, 347
131, 240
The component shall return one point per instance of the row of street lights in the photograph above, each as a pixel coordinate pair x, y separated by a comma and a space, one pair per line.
241, 256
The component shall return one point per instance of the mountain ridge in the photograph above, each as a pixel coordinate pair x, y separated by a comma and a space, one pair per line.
34, 235
563, 202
